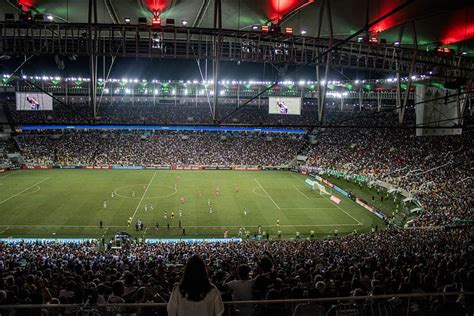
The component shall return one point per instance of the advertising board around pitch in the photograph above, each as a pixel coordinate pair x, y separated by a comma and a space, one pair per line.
284, 105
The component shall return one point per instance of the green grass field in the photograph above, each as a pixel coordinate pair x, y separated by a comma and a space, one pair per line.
69, 203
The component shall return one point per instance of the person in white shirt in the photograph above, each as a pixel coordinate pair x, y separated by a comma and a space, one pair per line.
242, 289
195, 294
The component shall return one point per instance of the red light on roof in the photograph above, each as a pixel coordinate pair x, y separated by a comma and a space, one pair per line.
265, 28
288, 30
156, 22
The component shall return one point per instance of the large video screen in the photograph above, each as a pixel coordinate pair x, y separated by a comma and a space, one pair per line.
33, 102
284, 105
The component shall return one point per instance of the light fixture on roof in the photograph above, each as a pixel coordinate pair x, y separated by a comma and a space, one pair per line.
49, 17
184, 22
288, 30
127, 20
156, 21
255, 27
303, 32
360, 39
464, 53
396, 43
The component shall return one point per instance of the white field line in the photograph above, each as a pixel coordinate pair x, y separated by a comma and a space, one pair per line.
255, 226
296, 188
9, 174
143, 196
358, 222
268, 195
31, 186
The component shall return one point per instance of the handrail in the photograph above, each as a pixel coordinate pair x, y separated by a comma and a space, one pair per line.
259, 302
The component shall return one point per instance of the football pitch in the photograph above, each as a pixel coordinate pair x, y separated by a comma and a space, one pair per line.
70, 203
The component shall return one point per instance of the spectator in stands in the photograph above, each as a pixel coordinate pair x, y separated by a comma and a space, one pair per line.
195, 294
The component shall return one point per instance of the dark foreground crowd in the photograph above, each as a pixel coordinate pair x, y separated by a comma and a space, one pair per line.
388, 262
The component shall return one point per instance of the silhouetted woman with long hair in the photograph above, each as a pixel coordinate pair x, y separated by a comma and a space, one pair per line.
195, 295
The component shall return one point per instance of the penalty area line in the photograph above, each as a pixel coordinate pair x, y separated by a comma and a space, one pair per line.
31, 186
268, 195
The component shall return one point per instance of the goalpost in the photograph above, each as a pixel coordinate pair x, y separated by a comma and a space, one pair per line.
315, 185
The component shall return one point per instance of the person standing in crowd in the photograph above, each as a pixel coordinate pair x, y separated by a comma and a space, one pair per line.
195, 294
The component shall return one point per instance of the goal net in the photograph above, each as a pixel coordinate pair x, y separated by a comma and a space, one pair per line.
314, 185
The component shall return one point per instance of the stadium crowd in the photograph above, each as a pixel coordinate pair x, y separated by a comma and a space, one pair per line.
134, 149
140, 112
393, 261
436, 170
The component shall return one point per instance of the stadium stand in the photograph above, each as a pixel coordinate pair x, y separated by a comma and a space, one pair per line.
388, 262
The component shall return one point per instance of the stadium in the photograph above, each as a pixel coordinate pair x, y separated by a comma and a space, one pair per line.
235, 157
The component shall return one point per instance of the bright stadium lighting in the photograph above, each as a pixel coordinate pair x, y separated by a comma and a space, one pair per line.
255, 27
127, 20
128, 91
185, 91
303, 32
323, 82
106, 90
222, 92
173, 92
184, 22
396, 43
155, 92
49, 17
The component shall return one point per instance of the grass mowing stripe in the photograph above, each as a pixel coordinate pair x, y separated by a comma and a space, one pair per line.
31, 186
268, 195
143, 196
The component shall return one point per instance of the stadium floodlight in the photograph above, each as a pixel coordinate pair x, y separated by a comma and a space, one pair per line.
396, 43
185, 91
301, 82
323, 82
255, 27
303, 32
127, 20
49, 17
106, 90
128, 91
222, 92
155, 92
184, 22
173, 92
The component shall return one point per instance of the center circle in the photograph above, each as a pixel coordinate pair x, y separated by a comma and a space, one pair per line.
155, 191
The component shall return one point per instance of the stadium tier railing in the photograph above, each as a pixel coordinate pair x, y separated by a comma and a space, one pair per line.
388, 305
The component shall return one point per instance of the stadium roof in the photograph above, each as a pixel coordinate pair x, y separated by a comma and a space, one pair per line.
437, 21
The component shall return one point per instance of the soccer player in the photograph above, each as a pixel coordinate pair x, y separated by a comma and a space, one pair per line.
165, 216
245, 211
146, 208
112, 194
210, 210
105, 204
129, 222
182, 200
151, 207
180, 213
278, 222
209, 202
237, 189
133, 193
172, 214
